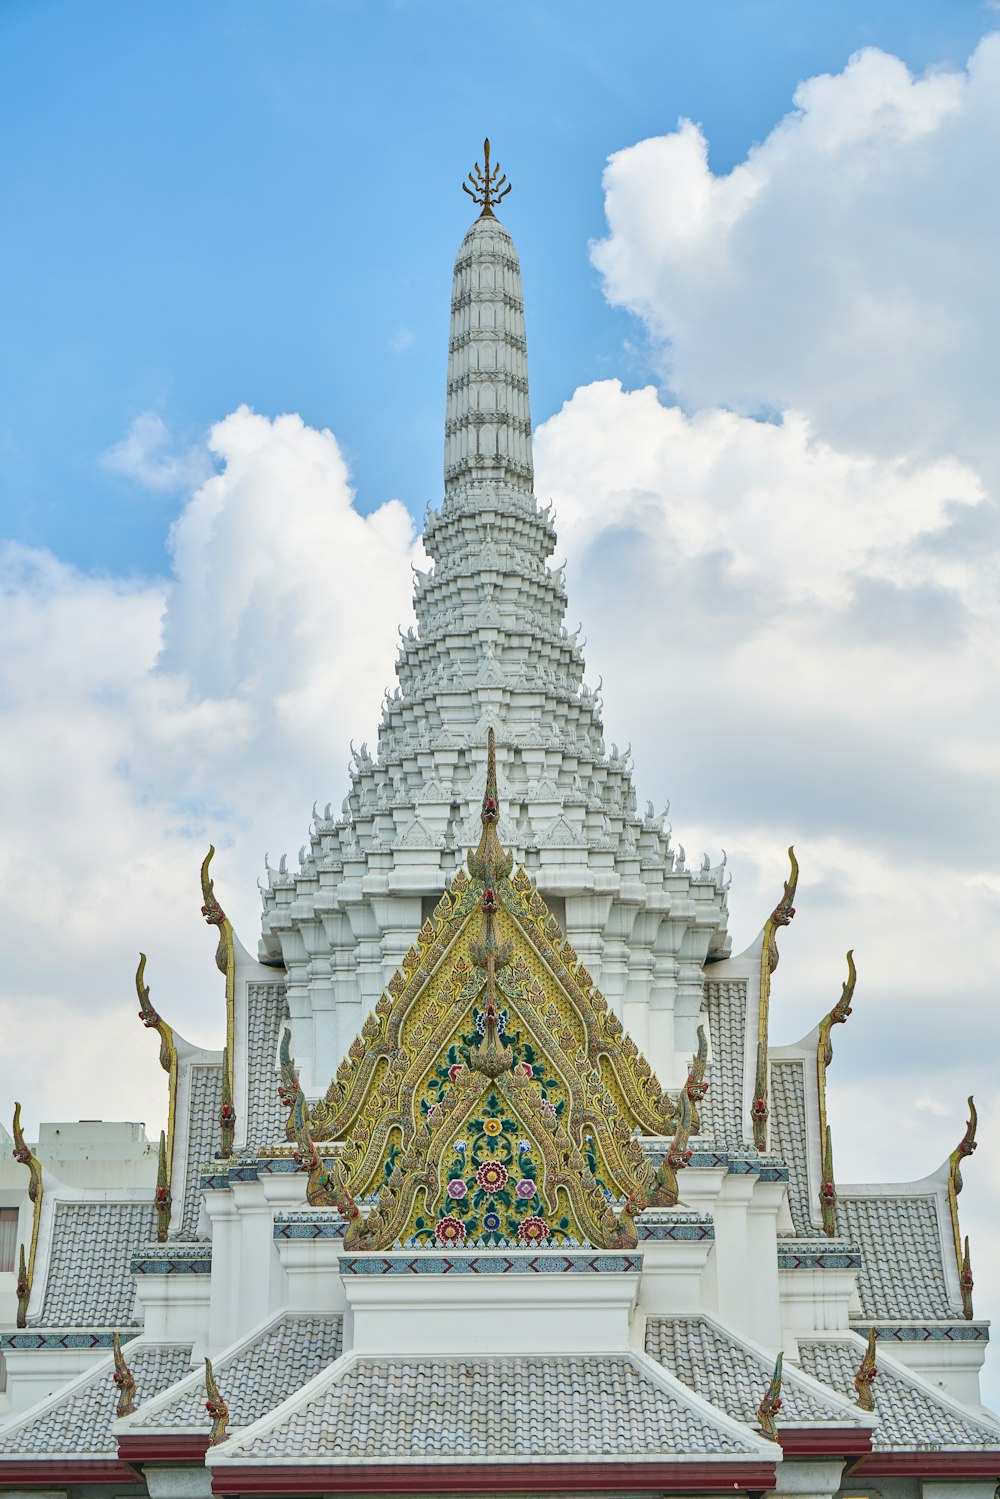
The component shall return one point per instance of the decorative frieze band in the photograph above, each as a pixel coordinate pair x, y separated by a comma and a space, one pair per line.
492, 1264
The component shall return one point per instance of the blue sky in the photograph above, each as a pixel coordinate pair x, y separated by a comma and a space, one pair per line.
763, 364
245, 202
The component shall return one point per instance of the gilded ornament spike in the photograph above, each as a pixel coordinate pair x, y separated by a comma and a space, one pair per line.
866, 1376
967, 1283
216, 1407
962, 1151
779, 917
26, 1274
152, 1020
123, 1379
487, 184
824, 1056
23, 1290
696, 1086
225, 961
771, 1404
227, 1114
162, 1197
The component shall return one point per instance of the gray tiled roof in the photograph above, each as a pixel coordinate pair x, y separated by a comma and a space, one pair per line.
266, 1010
259, 1376
902, 1268
88, 1282
80, 1424
491, 1409
722, 1109
728, 1374
202, 1139
789, 1136
909, 1413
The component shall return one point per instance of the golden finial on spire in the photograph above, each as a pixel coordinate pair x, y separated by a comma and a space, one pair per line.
487, 186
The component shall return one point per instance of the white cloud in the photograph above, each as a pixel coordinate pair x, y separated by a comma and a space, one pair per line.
846, 268
139, 722
149, 454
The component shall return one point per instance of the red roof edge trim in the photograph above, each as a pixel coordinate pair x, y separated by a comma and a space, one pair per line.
44, 1474
506, 1478
928, 1465
826, 1441
157, 1447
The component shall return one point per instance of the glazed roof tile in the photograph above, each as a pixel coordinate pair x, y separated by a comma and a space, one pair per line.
790, 1137
902, 1274
253, 1376
266, 1011
722, 1369
722, 1109
202, 1139
909, 1413
78, 1422
88, 1281
493, 1409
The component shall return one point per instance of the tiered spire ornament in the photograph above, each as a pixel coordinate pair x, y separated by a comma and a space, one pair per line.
780, 916
123, 1379
824, 1056
487, 184
866, 1376
962, 1151
168, 1061
225, 961
216, 1407
26, 1265
771, 1404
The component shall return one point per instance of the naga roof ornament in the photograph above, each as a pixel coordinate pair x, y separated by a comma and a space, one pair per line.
26, 1264
491, 1098
152, 1020
824, 1056
962, 1150
780, 916
771, 1403
487, 184
124, 1379
866, 1376
216, 1407
225, 961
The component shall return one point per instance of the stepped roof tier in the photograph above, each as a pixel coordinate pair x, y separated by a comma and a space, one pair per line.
491, 650
496, 1246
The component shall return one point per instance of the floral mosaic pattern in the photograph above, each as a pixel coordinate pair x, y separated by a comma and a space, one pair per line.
491, 1195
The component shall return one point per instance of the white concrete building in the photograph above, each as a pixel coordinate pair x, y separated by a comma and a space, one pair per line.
499, 1185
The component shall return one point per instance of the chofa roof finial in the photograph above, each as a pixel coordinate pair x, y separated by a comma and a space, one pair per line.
487, 186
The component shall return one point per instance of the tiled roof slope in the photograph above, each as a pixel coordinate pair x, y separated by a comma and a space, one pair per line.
266, 1009
730, 1375
494, 1409
88, 1282
909, 1413
257, 1376
902, 1269
202, 1139
789, 1137
722, 1110
79, 1424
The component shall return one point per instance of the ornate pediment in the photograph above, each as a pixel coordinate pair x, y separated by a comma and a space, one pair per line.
492, 1098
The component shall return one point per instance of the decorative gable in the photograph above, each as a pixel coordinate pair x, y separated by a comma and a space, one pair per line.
492, 1098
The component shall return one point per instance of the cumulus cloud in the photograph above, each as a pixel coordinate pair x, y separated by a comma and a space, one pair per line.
846, 268
142, 720
150, 455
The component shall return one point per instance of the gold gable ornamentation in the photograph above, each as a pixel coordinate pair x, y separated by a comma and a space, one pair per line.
824, 1056
225, 961
962, 1151
152, 1020
491, 1098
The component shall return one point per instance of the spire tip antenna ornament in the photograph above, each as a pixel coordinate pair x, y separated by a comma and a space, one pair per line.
487, 184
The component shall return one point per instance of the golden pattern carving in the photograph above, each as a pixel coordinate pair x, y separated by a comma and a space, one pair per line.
26, 1265
779, 917
492, 1025
824, 1056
